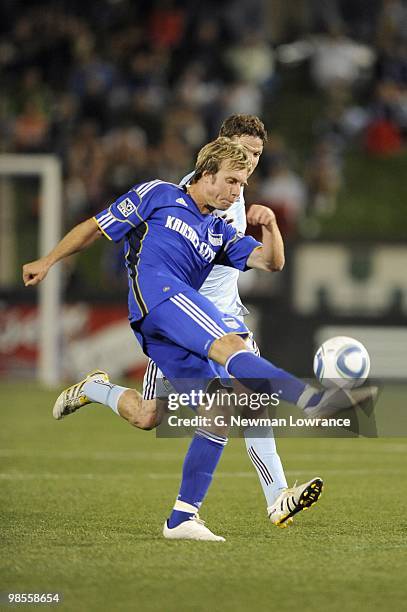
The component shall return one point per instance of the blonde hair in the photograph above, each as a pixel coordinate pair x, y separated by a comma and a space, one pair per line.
211, 156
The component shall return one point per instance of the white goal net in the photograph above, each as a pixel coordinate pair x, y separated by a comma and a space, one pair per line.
48, 169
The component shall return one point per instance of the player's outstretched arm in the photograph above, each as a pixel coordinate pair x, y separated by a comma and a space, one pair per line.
270, 256
79, 238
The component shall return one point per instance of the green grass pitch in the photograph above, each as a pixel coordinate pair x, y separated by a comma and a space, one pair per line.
83, 502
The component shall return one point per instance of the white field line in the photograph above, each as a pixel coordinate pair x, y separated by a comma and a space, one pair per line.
90, 455
168, 476
362, 472
157, 455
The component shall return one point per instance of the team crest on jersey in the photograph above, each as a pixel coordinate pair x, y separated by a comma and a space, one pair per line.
126, 207
215, 239
231, 322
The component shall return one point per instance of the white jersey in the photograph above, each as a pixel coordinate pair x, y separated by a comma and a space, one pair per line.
220, 287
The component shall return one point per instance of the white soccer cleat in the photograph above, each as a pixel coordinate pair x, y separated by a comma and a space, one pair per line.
73, 398
335, 400
291, 501
192, 529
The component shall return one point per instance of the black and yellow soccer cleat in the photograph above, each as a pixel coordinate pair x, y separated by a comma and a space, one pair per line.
291, 501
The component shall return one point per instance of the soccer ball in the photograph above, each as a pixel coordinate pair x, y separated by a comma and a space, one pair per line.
342, 362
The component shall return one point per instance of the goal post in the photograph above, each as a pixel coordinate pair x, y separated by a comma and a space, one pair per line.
48, 169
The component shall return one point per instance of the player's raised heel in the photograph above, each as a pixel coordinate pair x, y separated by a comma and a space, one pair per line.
73, 398
293, 500
192, 529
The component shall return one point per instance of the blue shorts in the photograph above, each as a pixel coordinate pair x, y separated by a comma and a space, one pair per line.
178, 333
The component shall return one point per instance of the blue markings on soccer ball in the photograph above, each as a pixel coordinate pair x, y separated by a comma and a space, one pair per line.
341, 362
319, 371
343, 369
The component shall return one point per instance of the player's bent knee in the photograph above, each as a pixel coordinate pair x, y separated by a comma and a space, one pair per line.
148, 420
150, 416
222, 348
143, 415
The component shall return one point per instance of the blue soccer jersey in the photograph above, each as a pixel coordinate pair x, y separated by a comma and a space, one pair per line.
221, 285
170, 245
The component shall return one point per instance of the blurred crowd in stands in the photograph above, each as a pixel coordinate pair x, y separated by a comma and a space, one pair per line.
126, 91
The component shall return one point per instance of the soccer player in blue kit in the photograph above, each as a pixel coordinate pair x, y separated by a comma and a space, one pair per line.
171, 244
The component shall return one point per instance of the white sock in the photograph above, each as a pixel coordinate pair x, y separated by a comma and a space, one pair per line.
261, 448
104, 393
